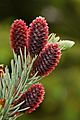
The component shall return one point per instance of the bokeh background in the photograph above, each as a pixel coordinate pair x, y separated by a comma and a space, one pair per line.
62, 86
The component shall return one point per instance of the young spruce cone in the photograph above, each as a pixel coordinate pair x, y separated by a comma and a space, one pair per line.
37, 36
33, 97
18, 36
47, 60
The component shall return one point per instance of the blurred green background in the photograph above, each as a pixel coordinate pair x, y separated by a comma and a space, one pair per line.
62, 86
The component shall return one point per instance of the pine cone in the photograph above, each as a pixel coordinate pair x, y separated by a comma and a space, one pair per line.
33, 97
47, 60
18, 36
37, 36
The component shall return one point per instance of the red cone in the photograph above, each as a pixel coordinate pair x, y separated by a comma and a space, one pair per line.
47, 60
38, 35
33, 97
18, 36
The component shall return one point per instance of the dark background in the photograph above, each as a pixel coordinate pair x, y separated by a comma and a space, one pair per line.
62, 86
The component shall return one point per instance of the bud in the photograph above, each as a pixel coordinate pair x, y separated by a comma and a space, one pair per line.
38, 35
18, 36
47, 60
2, 102
33, 97
1, 70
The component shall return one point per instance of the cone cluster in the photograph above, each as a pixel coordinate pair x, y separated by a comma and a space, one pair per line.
35, 39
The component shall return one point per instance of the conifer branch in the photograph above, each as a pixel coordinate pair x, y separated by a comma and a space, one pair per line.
36, 55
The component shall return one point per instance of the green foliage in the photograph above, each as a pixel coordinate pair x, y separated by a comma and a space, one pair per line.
63, 44
20, 71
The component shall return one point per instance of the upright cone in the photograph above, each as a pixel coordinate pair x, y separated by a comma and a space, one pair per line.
32, 97
18, 36
38, 35
47, 60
